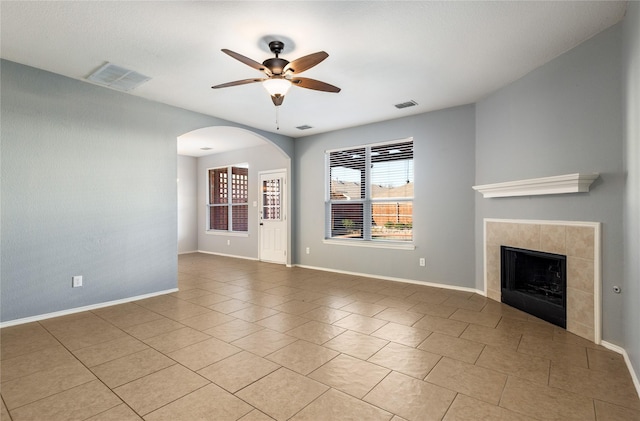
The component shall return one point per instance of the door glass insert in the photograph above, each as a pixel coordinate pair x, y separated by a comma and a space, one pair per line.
271, 199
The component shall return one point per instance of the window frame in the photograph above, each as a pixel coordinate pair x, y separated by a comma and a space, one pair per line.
230, 203
367, 202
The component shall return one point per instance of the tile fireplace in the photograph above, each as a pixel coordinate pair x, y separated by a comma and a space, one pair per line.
577, 242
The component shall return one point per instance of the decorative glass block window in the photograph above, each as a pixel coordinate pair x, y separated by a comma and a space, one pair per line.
271, 200
370, 192
229, 198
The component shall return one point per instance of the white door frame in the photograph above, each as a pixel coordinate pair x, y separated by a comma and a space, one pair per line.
283, 209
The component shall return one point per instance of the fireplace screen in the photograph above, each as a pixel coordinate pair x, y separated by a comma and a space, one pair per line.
535, 282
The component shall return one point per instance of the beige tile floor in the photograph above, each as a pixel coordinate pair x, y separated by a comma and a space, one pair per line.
244, 340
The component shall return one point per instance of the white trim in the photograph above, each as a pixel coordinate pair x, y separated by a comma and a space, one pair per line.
597, 261
544, 222
227, 255
187, 252
484, 255
623, 352
85, 308
393, 279
559, 184
227, 233
371, 243
597, 282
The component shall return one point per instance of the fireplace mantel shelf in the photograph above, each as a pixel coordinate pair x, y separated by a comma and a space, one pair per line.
560, 184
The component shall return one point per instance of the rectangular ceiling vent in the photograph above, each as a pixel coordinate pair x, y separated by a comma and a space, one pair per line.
117, 77
305, 127
406, 104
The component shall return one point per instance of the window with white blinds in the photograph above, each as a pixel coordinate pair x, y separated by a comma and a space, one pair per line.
228, 203
370, 192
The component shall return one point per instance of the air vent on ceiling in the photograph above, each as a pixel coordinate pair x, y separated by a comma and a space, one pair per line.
304, 127
117, 77
406, 104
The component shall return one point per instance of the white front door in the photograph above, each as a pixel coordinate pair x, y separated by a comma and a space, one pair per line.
273, 218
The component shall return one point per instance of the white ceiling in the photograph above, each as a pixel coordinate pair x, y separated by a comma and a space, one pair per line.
211, 140
439, 54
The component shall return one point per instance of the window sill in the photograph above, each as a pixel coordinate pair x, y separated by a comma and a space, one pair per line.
227, 233
371, 244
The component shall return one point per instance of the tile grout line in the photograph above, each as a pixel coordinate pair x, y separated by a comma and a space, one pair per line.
78, 360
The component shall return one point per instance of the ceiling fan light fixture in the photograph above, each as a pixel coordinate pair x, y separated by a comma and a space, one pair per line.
277, 86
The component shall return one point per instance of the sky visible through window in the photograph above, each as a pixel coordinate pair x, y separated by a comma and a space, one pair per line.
390, 173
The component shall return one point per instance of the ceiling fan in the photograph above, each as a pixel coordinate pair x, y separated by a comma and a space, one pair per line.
281, 74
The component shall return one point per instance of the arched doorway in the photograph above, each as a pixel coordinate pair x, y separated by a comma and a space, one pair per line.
207, 148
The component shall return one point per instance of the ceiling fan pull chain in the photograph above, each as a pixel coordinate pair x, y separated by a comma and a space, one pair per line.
277, 118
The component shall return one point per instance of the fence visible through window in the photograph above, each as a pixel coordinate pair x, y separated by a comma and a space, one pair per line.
371, 191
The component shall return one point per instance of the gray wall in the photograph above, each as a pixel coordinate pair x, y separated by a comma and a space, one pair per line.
564, 117
187, 204
443, 206
260, 158
88, 188
631, 83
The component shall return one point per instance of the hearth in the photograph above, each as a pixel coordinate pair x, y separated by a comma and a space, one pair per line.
535, 282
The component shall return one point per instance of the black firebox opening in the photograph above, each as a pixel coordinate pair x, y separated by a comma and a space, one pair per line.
535, 282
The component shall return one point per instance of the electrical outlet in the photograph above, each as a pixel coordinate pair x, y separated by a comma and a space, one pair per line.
228, 242
423, 262
76, 281
308, 250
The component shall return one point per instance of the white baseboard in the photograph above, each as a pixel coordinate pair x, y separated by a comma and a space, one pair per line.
228, 255
187, 252
623, 352
393, 279
85, 308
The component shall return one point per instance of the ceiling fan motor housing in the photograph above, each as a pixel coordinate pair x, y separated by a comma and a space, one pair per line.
276, 65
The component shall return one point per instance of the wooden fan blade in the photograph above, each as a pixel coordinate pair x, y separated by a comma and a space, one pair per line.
306, 62
249, 62
237, 82
305, 82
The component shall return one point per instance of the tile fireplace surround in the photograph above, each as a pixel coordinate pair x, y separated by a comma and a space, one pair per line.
579, 241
